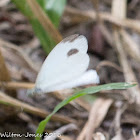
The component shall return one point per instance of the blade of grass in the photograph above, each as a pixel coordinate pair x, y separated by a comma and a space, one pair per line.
51, 8
44, 20
54, 9
83, 92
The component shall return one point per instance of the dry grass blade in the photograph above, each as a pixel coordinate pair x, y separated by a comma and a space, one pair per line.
44, 20
107, 35
104, 16
32, 44
7, 100
128, 72
130, 46
16, 85
121, 13
25, 57
4, 74
96, 5
96, 116
83, 133
58, 94
117, 121
83, 104
108, 63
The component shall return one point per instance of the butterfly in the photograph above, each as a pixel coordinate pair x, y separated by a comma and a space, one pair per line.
66, 67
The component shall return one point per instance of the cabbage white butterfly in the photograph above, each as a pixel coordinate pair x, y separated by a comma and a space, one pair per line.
66, 67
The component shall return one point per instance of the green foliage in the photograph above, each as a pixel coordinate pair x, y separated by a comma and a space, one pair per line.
83, 92
53, 8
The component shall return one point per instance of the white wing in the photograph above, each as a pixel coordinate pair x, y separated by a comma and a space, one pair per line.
89, 77
67, 61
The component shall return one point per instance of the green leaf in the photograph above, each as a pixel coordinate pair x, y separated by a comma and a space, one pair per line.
53, 8
23, 7
46, 41
83, 92
42, 3
89, 98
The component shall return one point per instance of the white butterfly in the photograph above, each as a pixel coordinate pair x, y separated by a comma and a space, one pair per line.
66, 66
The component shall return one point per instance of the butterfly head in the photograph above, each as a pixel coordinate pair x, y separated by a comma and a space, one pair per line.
34, 91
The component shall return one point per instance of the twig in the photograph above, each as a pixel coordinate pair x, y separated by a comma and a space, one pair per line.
44, 20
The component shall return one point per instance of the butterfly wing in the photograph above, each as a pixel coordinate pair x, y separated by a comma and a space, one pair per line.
89, 77
66, 61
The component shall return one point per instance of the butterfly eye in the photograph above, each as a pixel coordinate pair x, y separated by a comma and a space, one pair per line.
72, 52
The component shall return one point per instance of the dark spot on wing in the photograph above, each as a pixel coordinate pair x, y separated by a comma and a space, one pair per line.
72, 52
70, 38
